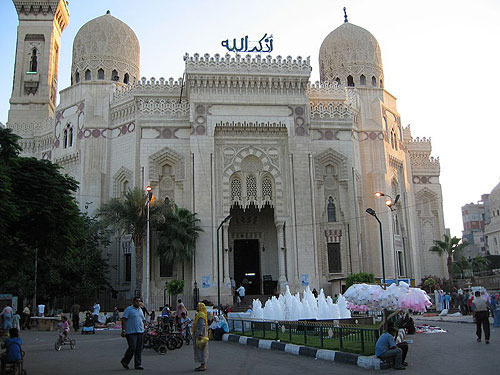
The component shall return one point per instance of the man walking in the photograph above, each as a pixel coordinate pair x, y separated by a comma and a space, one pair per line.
133, 330
480, 312
26, 317
75, 316
241, 293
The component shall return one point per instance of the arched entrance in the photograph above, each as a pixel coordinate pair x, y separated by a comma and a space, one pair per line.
253, 245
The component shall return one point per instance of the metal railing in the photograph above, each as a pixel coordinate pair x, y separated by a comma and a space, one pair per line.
323, 335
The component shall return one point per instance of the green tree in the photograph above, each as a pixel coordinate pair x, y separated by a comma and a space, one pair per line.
177, 231
479, 263
460, 266
38, 215
449, 247
362, 277
128, 215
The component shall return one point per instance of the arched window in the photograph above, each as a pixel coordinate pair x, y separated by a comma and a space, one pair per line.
65, 138
392, 138
337, 80
125, 188
77, 77
70, 136
381, 84
126, 78
34, 61
251, 188
100, 74
374, 81
395, 141
267, 189
235, 190
385, 123
87, 75
350, 81
362, 80
114, 75
331, 211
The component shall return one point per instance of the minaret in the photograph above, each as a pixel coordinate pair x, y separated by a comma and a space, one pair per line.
34, 89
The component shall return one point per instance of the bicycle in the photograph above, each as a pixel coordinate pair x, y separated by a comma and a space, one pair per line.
64, 340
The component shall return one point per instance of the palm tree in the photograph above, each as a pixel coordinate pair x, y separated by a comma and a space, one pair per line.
177, 231
449, 246
128, 215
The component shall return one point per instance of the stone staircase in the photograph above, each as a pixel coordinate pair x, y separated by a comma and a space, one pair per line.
247, 304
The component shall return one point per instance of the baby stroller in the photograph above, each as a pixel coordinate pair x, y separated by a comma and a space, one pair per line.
88, 325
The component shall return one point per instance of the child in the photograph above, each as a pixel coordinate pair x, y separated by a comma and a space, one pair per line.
15, 321
185, 325
13, 346
65, 328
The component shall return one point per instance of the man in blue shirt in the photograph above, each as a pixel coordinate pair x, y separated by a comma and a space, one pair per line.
133, 330
386, 348
13, 346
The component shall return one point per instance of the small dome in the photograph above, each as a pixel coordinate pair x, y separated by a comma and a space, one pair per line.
351, 51
495, 195
105, 48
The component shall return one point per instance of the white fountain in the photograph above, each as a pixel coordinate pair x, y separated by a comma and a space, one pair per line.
290, 307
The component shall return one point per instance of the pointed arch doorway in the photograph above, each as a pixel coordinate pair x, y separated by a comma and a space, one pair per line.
253, 248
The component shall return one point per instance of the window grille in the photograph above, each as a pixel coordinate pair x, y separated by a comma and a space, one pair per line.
235, 190
251, 188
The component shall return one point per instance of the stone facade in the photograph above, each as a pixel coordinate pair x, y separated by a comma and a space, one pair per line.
295, 163
492, 230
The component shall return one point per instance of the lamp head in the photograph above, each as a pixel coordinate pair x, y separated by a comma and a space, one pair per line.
379, 194
148, 188
371, 211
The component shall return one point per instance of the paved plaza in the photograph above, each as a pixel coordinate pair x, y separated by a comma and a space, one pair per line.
454, 352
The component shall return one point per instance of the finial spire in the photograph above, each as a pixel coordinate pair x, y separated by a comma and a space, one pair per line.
345, 15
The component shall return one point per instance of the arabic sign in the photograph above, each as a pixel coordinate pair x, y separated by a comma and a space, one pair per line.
245, 45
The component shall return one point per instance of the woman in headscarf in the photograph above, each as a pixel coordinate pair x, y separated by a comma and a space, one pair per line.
200, 330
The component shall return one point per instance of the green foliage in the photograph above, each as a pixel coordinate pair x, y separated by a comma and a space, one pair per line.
175, 287
363, 277
39, 215
178, 231
128, 215
430, 283
449, 247
439, 283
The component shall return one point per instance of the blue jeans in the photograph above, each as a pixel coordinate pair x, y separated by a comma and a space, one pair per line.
135, 343
396, 353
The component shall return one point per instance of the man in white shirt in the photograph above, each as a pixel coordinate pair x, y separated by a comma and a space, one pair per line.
241, 293
96, 308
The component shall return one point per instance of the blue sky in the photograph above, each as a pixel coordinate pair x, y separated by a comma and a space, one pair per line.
440, 60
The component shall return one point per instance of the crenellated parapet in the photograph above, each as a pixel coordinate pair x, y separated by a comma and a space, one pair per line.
148, 86
424, 166
332, 101
149, 98
247, 65
255, 76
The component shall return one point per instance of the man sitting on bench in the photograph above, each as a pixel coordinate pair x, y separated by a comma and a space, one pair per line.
386, 348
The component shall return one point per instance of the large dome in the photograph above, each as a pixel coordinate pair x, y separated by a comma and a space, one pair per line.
105, 48
351, 56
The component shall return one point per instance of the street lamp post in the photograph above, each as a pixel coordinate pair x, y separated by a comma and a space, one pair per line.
146, 282
218, 260
373, 213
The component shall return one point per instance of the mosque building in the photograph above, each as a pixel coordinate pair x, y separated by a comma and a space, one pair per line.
295, 163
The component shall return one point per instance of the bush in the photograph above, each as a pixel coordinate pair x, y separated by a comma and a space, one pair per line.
175, 287
356, 278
